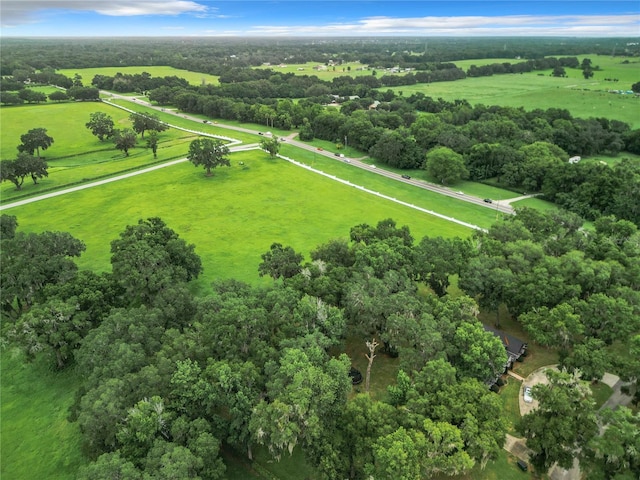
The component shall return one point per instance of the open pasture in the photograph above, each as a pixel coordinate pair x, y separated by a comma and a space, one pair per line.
76, 155
532, 90
194, 78
46, 89
625, 69
231, 217
65, 122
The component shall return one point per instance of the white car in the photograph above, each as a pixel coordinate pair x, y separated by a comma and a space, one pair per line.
527, 395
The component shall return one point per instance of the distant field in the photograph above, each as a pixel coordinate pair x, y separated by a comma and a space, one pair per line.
611, 67
194, 78
325, 72
583, 98
44, 89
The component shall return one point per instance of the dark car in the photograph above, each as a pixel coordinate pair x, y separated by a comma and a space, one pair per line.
488, 200
406, 176
523, 465
356, 376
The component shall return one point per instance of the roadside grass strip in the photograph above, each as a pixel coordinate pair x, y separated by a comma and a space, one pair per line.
382, 195
232, 141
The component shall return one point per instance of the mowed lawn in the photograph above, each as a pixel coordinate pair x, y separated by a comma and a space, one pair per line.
232, 217
194, 78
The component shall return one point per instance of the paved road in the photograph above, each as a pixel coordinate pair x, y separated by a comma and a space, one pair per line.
498, 205
97, 183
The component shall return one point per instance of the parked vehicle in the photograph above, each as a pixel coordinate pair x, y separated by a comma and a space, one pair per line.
527, 395
407, 177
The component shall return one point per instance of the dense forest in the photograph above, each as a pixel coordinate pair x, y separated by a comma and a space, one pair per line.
171, 379
217, 55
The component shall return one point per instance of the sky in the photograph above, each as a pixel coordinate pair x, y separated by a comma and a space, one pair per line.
309, 18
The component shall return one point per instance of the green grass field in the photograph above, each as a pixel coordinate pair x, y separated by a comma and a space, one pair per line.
194, 78
65, 122
37, 441
458, 209
625, 69
232, 217
76, 155
583, 98
601, 393
536, 203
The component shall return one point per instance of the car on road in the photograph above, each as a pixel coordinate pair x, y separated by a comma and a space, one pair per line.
373, 166
341, 155
527, 395
347, 160
407, 177
488, 200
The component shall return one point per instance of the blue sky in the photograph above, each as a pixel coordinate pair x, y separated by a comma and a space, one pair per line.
291, 18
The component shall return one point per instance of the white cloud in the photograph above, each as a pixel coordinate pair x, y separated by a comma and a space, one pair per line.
145, 7
16, 12
509, 25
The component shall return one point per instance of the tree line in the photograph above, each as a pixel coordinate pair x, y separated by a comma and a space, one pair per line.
214, 56
171, 379
28, 95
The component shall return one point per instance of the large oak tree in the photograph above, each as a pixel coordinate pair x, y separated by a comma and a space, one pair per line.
210, 153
